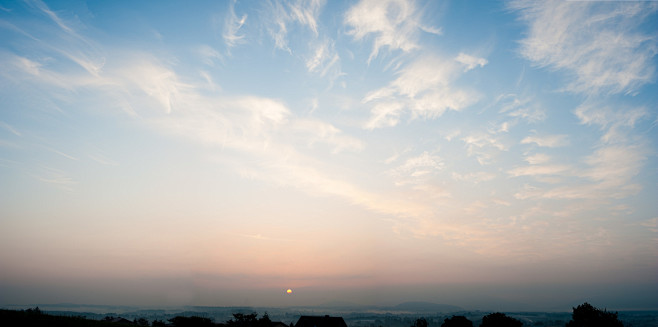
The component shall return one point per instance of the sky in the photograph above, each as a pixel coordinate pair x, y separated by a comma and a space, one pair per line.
482, 154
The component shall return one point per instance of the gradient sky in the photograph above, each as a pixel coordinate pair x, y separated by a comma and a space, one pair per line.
221, 152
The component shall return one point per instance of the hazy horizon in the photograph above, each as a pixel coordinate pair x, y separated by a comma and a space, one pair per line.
491, 153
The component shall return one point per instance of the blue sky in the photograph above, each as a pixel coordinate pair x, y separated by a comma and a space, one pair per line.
221, 152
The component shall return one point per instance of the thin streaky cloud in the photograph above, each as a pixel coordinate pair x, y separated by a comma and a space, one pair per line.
598, 42
284, 13
74, 46
209, 55
424, 88
550, 141
55, 177
393, 24
102, 160
63, 154
10, 128
232, 26
52, 15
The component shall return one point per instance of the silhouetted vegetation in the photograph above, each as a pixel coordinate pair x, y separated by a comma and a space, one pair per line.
35, 318
457, 321
585, 315
249, 320
498, 319
193, 321
420, 322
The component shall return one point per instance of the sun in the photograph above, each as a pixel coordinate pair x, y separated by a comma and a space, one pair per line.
289, 291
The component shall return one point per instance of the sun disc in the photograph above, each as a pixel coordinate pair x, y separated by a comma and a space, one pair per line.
289, 291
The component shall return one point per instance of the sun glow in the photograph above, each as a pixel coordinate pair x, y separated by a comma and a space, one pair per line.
289, 291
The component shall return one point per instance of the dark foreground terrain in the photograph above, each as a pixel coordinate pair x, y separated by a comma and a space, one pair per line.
582, 316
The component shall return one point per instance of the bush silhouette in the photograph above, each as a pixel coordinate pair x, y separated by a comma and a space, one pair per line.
498, 319
249, 320
585, 315
457, 321
421, 322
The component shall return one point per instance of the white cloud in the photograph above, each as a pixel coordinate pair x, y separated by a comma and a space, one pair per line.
315, 131
323, 59
483, 146
232, 26
52, 15
417, 170
614, 166
608, 173
424, 88
385, 114
550, 141
103, 160
617, 123
158, 82
9, 128
538, 158
596, 41
535, 170
55, 177
530, 114
72, 45
651, 224
304, 13
393, 23
476, 177
208, 54
470, 61
519, 109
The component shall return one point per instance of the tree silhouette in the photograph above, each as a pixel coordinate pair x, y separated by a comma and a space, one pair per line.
498, 319
420, 322
585, 315
249, 320
194, 321
457, 321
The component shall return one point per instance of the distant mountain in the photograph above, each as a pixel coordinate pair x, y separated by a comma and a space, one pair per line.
425, 307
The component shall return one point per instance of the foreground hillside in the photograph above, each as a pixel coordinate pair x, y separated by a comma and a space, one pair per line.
31, 318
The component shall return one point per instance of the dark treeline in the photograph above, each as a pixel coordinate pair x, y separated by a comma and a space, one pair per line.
584, 315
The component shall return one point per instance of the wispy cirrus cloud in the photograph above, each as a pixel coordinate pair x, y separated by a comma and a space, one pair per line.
424, 88
538, 158
608, 172
471, 62
284, 13
596, 41
72, 45
418, 169
484, 146
392, 23
616, 123
323, 59
316, 131
232, 26
10, 128
550, 141
55, 177
208, 54
475, 177
535, 170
